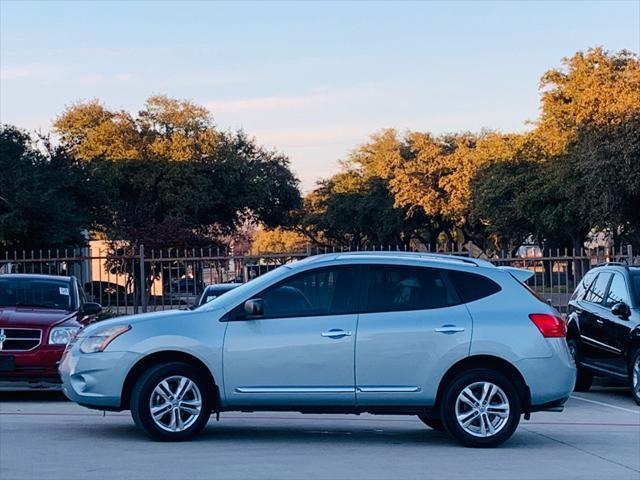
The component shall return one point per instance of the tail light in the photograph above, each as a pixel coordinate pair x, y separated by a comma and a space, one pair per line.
549, 325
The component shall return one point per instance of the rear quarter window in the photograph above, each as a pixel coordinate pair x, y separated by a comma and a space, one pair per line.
472, 286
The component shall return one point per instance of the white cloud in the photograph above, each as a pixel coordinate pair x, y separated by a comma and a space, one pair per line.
123, 77
24, 71
315, 136
96, 78
266, 103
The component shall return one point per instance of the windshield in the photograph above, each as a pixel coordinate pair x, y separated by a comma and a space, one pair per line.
35, 292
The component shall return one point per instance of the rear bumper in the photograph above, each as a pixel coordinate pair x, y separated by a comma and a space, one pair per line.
552, 406
551, 379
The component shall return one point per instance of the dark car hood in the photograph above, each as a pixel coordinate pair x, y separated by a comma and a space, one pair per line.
32, 316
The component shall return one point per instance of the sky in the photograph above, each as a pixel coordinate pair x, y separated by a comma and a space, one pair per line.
311, 79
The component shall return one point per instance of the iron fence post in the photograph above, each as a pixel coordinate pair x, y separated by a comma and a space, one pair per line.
143, 282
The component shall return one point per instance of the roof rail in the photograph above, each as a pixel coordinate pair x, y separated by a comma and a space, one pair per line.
439, 257
613, 264
443, 257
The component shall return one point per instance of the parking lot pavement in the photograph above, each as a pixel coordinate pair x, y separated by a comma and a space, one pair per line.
44, 436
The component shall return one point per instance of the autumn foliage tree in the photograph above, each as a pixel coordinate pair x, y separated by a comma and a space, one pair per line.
577, 170
169, 178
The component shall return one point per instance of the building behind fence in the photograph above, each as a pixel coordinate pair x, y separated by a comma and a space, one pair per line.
138, 280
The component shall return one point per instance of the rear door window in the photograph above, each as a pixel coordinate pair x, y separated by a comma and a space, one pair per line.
597, 290
398, 288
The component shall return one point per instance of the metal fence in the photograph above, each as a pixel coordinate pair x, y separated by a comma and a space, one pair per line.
134, 280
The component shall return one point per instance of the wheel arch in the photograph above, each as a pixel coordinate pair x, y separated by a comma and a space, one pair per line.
573, 327
166, 356
491, 362
634, 342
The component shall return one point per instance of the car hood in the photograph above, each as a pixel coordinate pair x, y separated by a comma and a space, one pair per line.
41, 317
132, 320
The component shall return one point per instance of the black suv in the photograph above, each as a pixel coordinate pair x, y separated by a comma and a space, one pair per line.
604, 326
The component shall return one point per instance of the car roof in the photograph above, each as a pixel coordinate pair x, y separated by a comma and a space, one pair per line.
617, 267
34, 276
425, 257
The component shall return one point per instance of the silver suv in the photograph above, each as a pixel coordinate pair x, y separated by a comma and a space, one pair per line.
460, 343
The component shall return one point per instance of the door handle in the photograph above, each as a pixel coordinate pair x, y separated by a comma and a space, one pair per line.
449, 329
599, 322
336, 333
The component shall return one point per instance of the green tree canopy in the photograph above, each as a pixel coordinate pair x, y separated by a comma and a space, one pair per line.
355, 211
45, 199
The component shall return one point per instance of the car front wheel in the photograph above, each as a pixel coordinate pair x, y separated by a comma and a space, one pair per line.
170, 402
481, 408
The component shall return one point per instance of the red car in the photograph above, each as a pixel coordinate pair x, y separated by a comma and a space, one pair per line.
39, 314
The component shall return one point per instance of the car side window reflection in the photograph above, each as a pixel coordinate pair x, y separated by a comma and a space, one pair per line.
326, 291
394, 288
596, 291
617, 292
583, 286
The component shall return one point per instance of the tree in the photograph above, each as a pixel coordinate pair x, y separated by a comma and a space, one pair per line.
169, 177
431, 175
589, 121
354, 211
607, 159
499, 202
45, 196
278, 240
165, 203
165, 128
594, 89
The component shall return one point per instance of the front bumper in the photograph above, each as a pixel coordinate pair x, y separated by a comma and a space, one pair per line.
95, 380
35, 365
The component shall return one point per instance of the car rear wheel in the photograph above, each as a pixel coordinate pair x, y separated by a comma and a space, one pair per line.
481, 408
171, 402
584, 379
635, 375
433, 423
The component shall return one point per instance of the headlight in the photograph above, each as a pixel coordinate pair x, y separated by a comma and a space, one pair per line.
62, 335
100, 339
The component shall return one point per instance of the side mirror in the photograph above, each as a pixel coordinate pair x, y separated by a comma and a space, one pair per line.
254, 307
91, 308
621, 310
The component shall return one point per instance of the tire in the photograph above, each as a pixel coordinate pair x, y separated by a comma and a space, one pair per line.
499, 391
634, 378
182, 418
584, 378
433, 423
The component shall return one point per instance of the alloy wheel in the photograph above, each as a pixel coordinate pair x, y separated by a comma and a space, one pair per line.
482, 409
175, 403
573, 351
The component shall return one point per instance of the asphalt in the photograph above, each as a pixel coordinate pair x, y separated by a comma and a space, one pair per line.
42, 436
